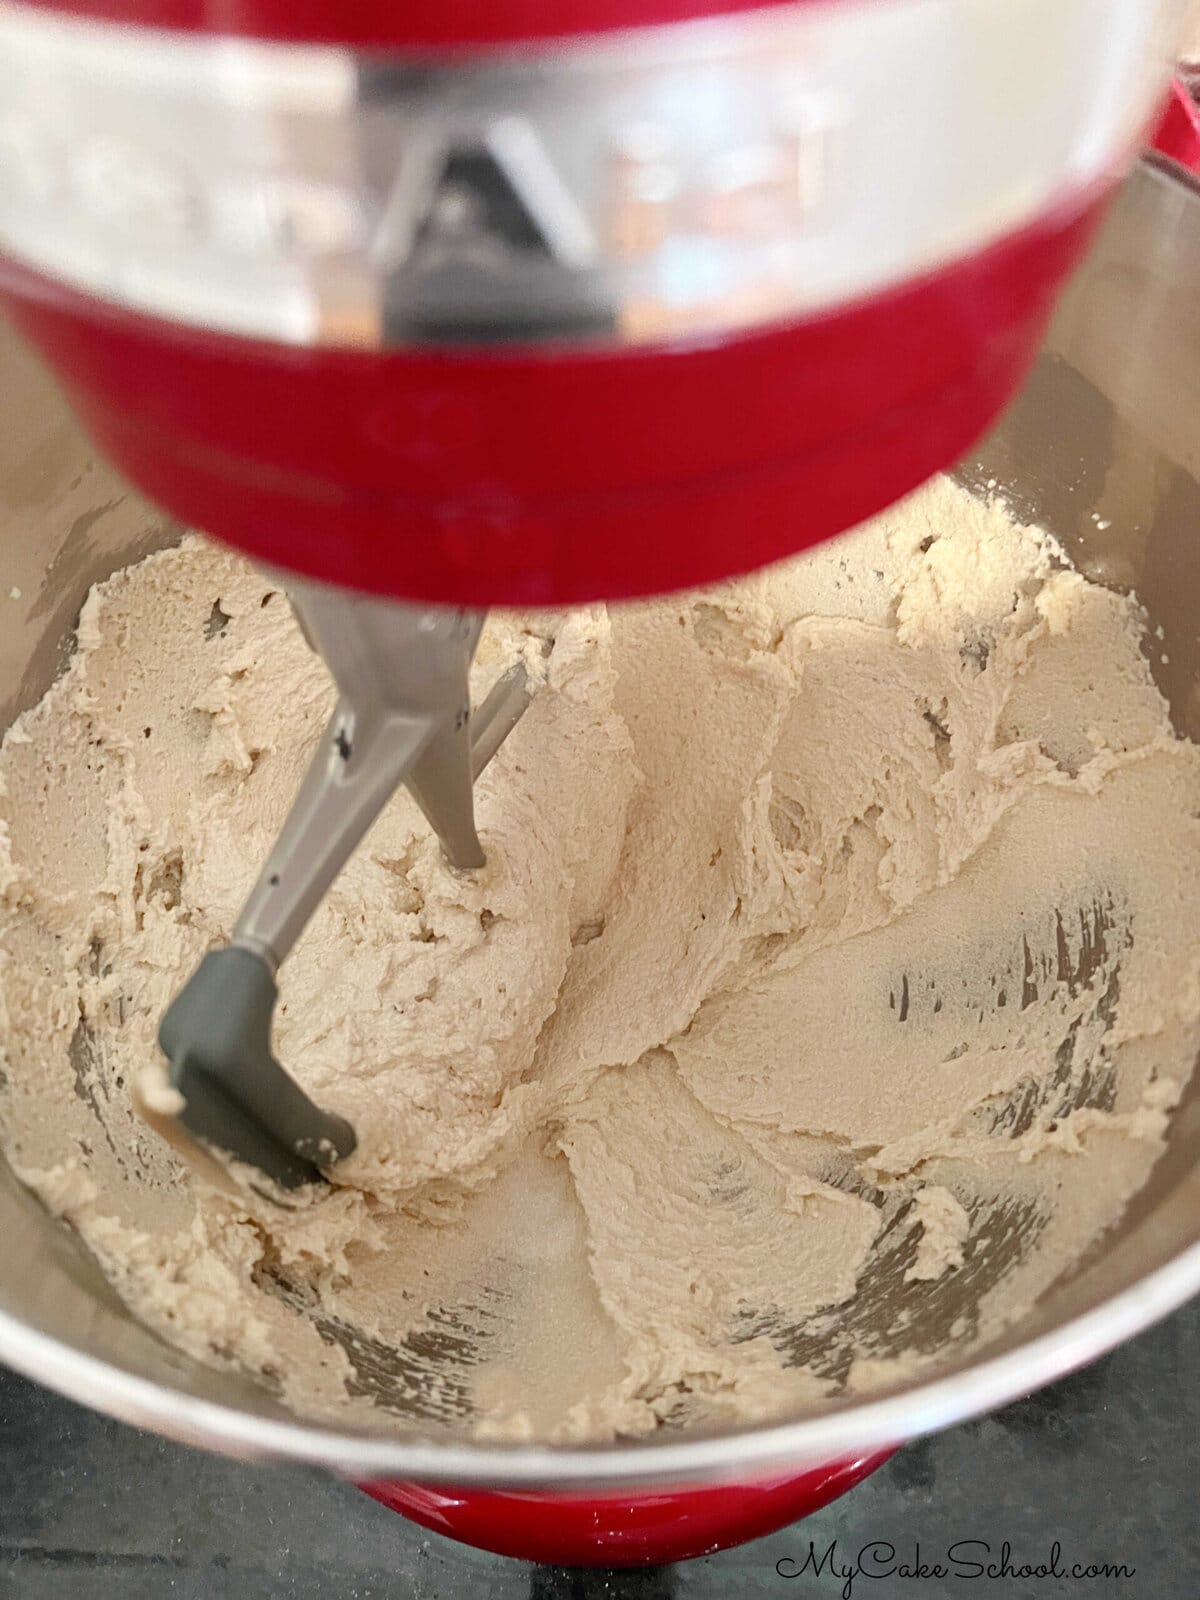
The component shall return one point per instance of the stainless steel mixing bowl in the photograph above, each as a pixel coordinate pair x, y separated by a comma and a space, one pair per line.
1102, 447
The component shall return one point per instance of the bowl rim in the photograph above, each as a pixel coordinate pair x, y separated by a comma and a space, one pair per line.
740, 1453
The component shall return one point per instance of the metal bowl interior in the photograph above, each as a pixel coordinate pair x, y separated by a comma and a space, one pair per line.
1103, 448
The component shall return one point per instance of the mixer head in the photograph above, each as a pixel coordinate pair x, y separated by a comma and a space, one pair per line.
541, 303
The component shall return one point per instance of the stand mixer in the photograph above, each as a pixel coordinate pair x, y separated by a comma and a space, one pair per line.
442, 308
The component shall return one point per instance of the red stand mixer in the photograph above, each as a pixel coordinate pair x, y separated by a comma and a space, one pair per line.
511, 302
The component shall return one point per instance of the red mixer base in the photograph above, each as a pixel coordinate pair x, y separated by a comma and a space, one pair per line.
626, 1529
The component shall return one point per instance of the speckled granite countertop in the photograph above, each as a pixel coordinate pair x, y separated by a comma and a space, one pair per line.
1105, 1463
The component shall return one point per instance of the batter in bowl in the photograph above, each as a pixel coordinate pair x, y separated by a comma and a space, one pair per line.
833, 973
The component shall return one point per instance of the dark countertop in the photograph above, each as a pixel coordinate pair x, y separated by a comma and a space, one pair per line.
1106, 1462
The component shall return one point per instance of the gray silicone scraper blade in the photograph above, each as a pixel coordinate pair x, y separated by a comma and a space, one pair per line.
216, 1035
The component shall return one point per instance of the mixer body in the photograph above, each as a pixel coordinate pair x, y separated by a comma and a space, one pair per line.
468, 310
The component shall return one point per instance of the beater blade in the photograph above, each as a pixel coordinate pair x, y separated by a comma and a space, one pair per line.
402, 716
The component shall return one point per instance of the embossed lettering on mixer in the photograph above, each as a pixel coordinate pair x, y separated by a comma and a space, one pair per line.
826, 992
752, 192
